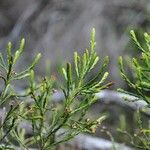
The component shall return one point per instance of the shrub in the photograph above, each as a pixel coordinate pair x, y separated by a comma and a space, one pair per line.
45, 119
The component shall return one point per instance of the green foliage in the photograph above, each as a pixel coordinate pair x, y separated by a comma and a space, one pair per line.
141, 87
141, 70
140, 138
8, 74
48, 120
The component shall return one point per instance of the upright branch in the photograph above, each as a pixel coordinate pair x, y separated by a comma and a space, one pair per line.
141, 70
45, 118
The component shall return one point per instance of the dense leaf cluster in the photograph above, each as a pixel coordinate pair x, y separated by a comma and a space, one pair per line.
140, 69
45, 119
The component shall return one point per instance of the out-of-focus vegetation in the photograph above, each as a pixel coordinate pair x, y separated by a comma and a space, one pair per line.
141, 70
141, 89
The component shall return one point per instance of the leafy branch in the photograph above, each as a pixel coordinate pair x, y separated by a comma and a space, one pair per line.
141, 70
141, 87
45, 118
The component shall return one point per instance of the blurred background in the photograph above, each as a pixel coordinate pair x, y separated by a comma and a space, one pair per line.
57, 28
